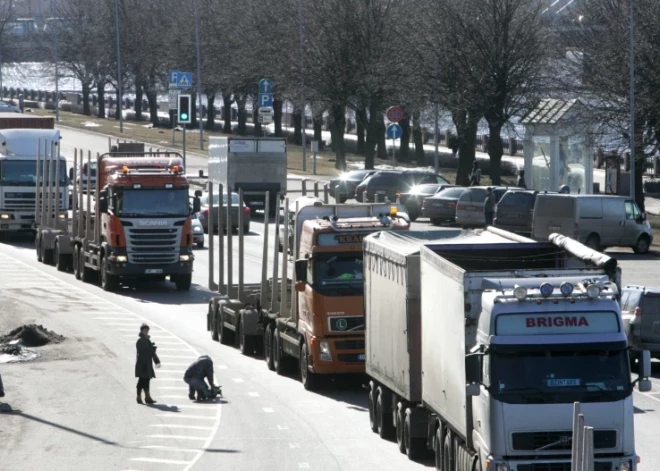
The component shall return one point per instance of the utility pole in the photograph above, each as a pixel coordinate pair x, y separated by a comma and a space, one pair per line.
632, 99
302, 87
436, 154
199, 78
120, 94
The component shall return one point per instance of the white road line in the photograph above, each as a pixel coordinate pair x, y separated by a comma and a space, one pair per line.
649, 396
253, 394
169, 379
178, 356
192, 406
282, 427
238, 380
160, 461
171, 371
177, 437
127, 319
187, 427
303, 465
169, 343
173, 349
133, 322
186, 416
221, 367
218, 408
170, 448
294, 445
268, 410
172, 388
171, 396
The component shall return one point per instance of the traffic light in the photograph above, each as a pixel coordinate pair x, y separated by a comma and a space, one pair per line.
183, 111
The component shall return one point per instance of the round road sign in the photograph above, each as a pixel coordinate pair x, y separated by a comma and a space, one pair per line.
394, 131
394, 114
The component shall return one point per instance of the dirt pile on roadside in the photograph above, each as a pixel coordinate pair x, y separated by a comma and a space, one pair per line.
30, 335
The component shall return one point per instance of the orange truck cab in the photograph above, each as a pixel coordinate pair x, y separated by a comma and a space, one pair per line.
328, 335
145, 218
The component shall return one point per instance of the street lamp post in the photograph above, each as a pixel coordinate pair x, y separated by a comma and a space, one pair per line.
302, 88
436, 155
632, 99
199, 77
119, 81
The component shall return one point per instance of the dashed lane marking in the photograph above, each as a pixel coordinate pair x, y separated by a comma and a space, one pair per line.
93, 304
170, 448
282, 427
188, 427
238, 380
186, 416
253, 394
268, 410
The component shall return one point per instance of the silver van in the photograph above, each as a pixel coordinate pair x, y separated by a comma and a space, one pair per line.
597, 221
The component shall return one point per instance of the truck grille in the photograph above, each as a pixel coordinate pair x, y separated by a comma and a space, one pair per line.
598, 466
153, 246
23, 201
349, 345
535, 440
345, 324
350, 358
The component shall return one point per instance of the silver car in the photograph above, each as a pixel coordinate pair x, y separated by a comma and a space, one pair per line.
204, 213
198, 231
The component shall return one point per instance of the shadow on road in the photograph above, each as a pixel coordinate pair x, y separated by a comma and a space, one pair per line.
67, 429
629, 256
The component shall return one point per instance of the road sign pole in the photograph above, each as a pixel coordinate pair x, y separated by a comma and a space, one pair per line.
393, 151
184, 149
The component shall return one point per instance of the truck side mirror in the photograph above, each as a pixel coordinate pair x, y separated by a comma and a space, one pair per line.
644, 385
71, 174
197, 204
301, 270
473, 368
198, 193
645, 364
103, 201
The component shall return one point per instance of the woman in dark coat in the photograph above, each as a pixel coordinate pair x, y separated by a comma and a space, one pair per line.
144, 368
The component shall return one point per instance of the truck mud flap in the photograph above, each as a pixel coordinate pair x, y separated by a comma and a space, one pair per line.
64, 245
251, 322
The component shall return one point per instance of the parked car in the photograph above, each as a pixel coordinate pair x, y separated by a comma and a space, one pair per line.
392, 183
204, 213
198, 231
441, 207
640, 308
9, 108
598, 221
289, 217
413, 199
347, 182
515, 210
470, 205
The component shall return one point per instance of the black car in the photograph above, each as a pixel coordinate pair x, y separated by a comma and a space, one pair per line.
347, 182
441, 207
514, 211
392, 183
413, 199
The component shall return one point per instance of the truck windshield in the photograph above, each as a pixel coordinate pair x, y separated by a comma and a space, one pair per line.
338, 269
155, 202
557, 375
24, 172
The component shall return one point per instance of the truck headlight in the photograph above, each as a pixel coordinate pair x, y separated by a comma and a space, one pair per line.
184, 258
121, 258
626, 466
324, 351
197, 229
4, 216
61, 216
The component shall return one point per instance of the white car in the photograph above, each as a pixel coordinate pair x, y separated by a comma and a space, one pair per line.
198, 231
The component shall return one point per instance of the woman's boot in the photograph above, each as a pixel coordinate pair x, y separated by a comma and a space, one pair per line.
139, 396
147, 397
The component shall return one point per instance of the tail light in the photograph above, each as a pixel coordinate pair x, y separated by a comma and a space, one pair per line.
638, 312
452, 205
246, 211
206, 212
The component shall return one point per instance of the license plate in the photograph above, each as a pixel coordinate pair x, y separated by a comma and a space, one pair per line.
554, 228
437, 205
381, 192
153, 271
362, 357
257, 203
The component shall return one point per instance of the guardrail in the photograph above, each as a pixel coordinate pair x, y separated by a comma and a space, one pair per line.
582, 452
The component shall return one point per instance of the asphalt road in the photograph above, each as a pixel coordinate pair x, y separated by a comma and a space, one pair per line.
86, 417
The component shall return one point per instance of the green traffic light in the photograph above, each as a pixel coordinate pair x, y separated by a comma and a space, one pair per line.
184, 116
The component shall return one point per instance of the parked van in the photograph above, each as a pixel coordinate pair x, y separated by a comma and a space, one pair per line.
471, 205
597, 221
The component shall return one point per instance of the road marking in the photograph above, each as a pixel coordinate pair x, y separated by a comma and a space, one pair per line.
221, 367
171, 371
282, 427
188, 427
238, 380
173, 349
170, 448
173, 388
117, 308
171, 396
128, 322
169, 379
303, 465
193, 406
294, 445
177, 437
186, 416
253, 394
268, 410
169, 343
177, 356
160, 461
649, 396
114, 319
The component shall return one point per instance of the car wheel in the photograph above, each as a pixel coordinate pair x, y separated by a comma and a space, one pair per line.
642, 246
593, 242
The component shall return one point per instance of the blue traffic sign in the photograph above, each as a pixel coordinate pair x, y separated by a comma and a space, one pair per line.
266, 86
182, 80
265, 100
394, 131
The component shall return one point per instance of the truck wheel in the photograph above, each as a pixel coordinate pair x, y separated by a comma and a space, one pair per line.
415, 447
76, 262
308, 379
109, 282
245, 343
200, 245
400, 420
373, 418
437, 448
212, 316
88, 275
37, 245
268, 347
384, 419
447, 458
61, 261
226, 337
278, 355
183, 282
47, 254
